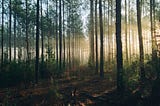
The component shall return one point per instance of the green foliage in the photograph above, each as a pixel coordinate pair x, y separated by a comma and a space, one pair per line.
49, 67
150, 69
53, 91
131, 75
132, 72
110, 65
90, 63
7, 98
21, 72
15, 73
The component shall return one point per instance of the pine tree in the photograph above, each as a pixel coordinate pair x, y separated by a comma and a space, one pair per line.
119, 47
101, 40
142, 72
37, 44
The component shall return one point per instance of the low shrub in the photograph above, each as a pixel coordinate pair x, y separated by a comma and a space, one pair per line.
15, 73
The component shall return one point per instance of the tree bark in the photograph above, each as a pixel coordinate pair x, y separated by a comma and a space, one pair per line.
111, 31
126, 36
64, 46
142, 72
96, 36
48, 35
154, 43
27, 44
42, 37
57, 34
101, 40
91, 58
119, 47
109, 38
60, 36
2, 34
129, 28
10, 31
37, 44
14, 37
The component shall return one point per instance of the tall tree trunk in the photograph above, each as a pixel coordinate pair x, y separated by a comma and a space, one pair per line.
104, 30
111, 38
64, 46
7, 44
133, 41
57, 34
126, 36
73, 42
60, 36
142, 72
19, 43
109, 45
119, 47
69, 35
69, 50
48, 27
42, 43
154, 43
91, 58
2, 34
27, 44
14, 37
101, 40
129, 28
37, 44
10, 31
152, 19
96, 36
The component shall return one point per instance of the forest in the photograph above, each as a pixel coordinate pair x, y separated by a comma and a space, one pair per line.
79, 52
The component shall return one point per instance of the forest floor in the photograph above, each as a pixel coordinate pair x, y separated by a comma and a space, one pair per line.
75, 91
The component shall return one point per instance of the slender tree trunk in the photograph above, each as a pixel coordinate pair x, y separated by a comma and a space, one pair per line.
152, 18
101, 40
133, 41
18, 42
96, 35
91, 58
154, 43
48, 23
57, 34
64, 46
69, 39
126, 36
119, 47
14, 37
129, 28
6, 58
37, 44
69, 50
79, 50
109, 45
42, 38
111, 30
104, 30
27, 44
10, 31
73, 44
2, 34
142, 72
60, 36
